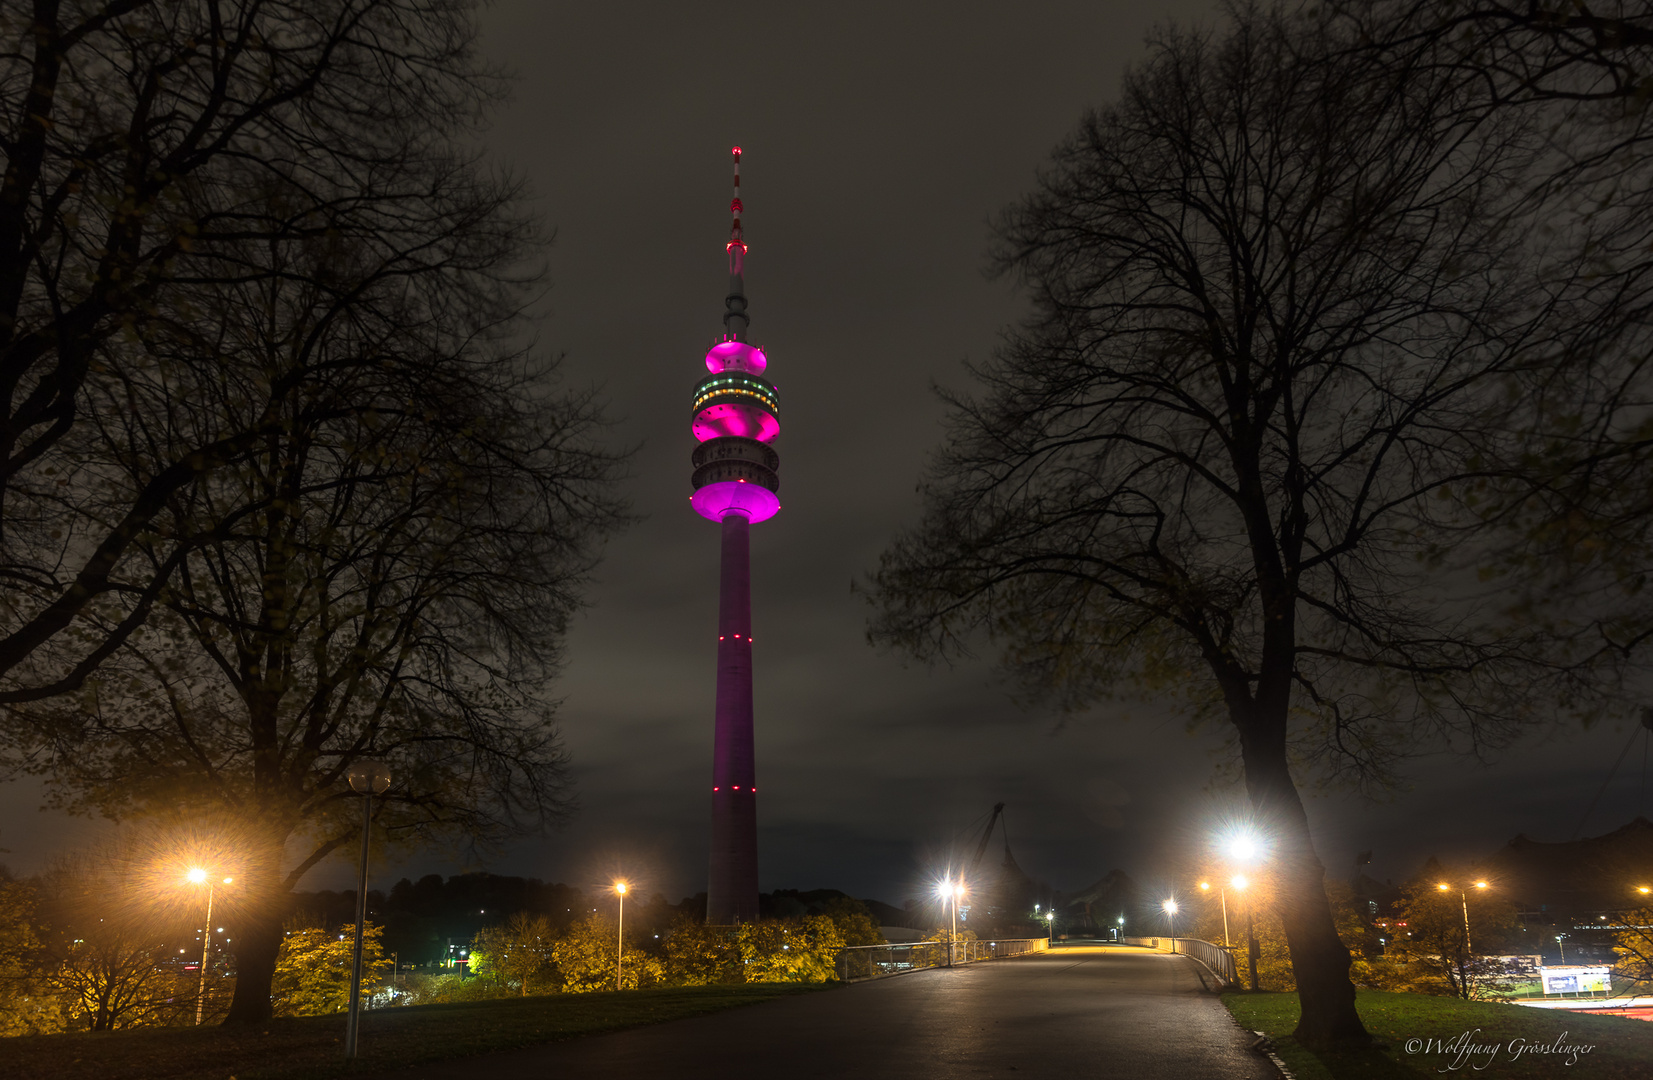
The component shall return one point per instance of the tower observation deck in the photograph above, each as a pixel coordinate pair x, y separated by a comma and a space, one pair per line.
736, 415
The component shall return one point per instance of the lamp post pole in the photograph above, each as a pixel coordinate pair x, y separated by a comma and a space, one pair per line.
1222, 894
620, 943
206, 953
199, 876
367, 779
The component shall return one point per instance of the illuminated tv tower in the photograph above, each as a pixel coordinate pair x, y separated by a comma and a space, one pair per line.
736, 417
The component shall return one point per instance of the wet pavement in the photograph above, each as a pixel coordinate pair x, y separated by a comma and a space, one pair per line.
1072, 1012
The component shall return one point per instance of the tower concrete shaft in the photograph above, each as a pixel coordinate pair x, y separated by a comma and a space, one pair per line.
732, 893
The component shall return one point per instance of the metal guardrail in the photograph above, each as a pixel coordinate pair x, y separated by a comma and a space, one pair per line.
861, 962
1219, 960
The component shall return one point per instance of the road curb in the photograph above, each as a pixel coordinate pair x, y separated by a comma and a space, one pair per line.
1265, 1046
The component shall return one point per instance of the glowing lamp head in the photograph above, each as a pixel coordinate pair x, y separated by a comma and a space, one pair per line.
197, 876
1244, 847
620, 887
1644, 889
229, 880
958, 890
1444, 887
1240, 881
945, 889
1205, 886
1480, 884
1170, 907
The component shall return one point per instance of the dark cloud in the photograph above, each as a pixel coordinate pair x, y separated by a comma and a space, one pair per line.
879, 140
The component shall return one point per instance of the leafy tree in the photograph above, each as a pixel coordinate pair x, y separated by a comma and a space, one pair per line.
27, 1004
518, 952
587, 955
701, 955
791, 950
854, 921
1633, 946
1437, 943
312, 975
1280, 309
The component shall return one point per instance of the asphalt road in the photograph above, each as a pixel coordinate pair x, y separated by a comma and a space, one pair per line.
1070, 1013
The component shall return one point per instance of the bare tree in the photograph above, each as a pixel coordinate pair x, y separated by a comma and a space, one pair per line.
388, 572
1573, 503
1284, 300
147, 144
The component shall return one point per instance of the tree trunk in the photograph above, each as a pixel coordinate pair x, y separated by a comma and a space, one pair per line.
1319, 959
259, 943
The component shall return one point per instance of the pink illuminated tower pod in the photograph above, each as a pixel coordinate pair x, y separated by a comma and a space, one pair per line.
736, 416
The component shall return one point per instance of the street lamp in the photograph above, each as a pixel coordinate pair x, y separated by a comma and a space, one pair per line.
199, 876
950, 893
1463, 898
1170, 909
367, 779
1223, 894
1122, 928
1562, 947
1244, 846
620, 944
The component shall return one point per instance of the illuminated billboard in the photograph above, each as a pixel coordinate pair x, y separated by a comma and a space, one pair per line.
1575, 980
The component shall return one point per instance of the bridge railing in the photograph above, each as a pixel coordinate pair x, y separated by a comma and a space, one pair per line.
1220, 960
861, 962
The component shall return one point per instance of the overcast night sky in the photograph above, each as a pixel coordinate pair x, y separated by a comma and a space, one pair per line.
879, 140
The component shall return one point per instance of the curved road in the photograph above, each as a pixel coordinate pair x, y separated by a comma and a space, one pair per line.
1069, 1013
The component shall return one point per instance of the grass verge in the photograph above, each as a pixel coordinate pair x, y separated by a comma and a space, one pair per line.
1435, 1036
308, 1048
